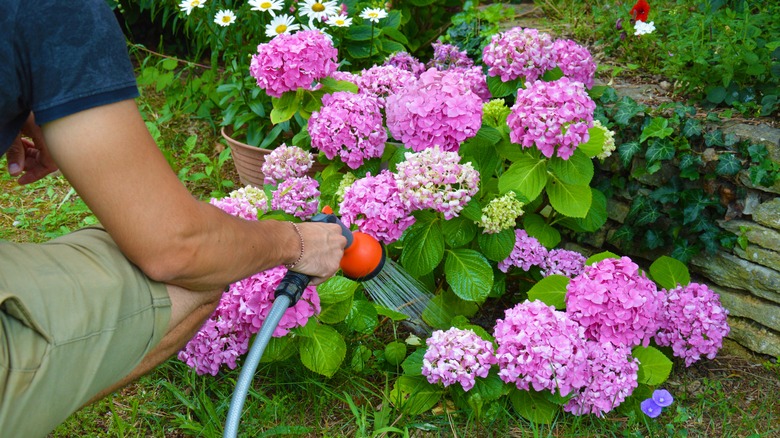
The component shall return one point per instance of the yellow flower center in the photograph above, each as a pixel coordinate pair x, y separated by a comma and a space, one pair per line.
281, 28
373, 14
195, 3
265, 5
226, 19
318, 7
340, 21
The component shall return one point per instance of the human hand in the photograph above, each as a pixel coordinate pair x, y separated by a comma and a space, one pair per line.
28, 156
322, 251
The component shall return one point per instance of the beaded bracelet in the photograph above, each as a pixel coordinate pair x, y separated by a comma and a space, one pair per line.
300, 256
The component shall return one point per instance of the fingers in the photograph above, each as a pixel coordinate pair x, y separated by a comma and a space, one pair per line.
324, 247
15, 156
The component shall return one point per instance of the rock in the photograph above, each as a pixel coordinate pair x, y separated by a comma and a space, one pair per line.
755, 233
752, 200
768, 214
731, 271
754, 337
757, 254
758, 134
616, 210
744, 305
744, 178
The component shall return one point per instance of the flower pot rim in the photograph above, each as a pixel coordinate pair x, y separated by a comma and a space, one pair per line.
227, 134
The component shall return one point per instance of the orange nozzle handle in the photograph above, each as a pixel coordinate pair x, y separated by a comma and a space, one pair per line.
364, 258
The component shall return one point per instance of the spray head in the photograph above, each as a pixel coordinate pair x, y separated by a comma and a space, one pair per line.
364, 256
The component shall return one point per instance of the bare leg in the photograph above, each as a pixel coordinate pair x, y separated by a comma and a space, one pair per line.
189, 310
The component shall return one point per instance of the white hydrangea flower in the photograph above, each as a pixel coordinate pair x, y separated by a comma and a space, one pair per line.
642, 28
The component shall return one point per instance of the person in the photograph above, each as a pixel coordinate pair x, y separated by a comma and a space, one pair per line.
87, 313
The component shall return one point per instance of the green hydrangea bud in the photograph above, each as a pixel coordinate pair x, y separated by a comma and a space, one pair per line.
255, 196
501, 213
609, 140
494, 113
346, 181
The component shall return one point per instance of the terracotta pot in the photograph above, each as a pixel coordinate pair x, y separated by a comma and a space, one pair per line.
249, 160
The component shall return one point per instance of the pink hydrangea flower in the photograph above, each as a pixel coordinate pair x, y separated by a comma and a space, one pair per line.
527, 252
447, 56
406, 62
241, 311
541, 348
439, 109
457, 356
348, 126
436, 179
519, 53
615, 303
552, 116
345, 76
575, 61
476, 81
286, 162
694, 322
384, 80
292, 61
297, 196
563, 262
240, 207
611, 378
374, 204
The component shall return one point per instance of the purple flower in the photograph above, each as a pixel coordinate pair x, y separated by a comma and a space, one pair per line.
374, 204
612, 377
436, 179
519, 53
563, 262
348, 125
447, 56
297, 196
615, 303
439, 109
384, 80
292, 61
650, 408
662, 398
286, 162
552, 116
541, 348
528, 251
693, 322
574, 61
457, 356
405, 61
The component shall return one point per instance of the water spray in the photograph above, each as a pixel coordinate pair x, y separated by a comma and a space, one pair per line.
364, 260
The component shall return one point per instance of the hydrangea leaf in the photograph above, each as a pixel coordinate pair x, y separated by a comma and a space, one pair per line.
497, 246
499, 88
469, 274
336, 289
550, 290
458, 231
424, 247
360, 358
414, 395
527, 176
533, 406
546, 234
279, 349
569, 199
323, 352
595, 143
669, 273
334, 313
395, 353
595, 258
285, 107
654, 366
596, 217
491, 387
444, 307
413, 363
363, 317
577, 170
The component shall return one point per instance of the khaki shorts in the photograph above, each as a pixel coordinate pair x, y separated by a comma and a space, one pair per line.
75, 317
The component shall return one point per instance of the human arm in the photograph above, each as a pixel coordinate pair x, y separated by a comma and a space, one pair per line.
113, 163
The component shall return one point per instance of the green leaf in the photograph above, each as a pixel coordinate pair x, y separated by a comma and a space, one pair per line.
654, 366
626, 151
569, 199
533, 406
395, 352
361, 32
692, 128
458, 231
323, 352
627, 108
596, 217
285, 107
279, 349
660, 150
499, 88
716, 95
335, 313
526, 176
658, 127
546, 234
395, 34
336, 289
595, 258
497, 246
360, 358
358, 50
423, 248
550, 290
669, 273
413, 363
469, 274
577, 170
728, 165
414, 395
363, 317
595, 143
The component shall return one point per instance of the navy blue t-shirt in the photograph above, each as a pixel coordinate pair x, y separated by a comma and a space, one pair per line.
58, 58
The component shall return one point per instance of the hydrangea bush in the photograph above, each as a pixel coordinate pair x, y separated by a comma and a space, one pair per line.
470, 176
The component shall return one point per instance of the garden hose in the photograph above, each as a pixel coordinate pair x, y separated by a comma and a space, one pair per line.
363, 258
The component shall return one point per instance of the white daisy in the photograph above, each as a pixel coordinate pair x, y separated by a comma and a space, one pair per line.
339, 21
373, 14
188, 5
642, 28
267, 5
225, 17
319, 9
281, 24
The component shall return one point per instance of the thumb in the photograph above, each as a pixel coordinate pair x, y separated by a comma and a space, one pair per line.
15, 156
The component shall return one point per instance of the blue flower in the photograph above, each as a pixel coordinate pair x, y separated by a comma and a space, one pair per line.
650, 408
662, 398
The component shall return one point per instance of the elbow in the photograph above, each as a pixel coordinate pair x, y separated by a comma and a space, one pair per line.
174, 263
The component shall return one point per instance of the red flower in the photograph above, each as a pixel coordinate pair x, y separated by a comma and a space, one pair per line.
640, 10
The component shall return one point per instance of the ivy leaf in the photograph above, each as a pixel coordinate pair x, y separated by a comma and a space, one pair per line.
550, 290
626, 151
660, 149
469, 274
728, 165
684, 251
424, 248
669, 273
667, 194
653, 239
527, 176
692, 128
654, 366
324, 351
627, 108
714, 138
658, 127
